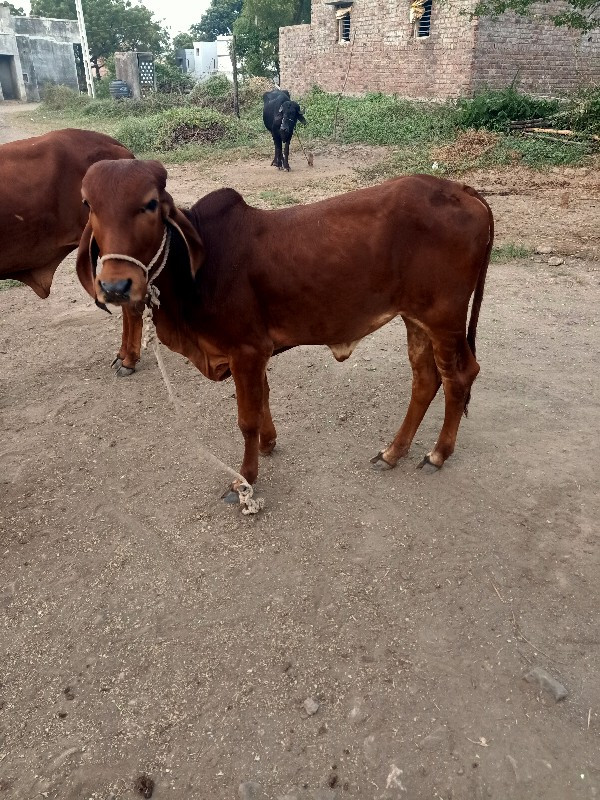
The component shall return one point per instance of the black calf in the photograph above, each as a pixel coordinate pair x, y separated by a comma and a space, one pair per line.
280, 115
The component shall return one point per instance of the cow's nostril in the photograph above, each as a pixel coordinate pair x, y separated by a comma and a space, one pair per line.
116, 288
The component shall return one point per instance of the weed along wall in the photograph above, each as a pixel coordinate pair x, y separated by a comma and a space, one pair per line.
430, 49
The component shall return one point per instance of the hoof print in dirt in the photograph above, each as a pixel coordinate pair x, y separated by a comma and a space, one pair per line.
249, 790
144, 785
231, 497
546, 681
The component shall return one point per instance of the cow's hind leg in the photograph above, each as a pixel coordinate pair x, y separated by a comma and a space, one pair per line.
458, 368
267, 434
277, 158
426, 381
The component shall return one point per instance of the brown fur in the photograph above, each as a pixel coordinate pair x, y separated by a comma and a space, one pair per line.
326, 273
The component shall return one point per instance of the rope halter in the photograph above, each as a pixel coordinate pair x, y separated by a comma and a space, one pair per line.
152, 298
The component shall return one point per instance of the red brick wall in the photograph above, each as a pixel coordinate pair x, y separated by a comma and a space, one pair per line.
458, 56
546, 60
386, 57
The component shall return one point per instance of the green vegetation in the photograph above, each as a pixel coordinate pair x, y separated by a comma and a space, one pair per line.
445, 138
9, 283
276, 198
178, 127
510, 251
496, 109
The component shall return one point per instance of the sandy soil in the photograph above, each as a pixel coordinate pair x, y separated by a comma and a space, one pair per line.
146, 628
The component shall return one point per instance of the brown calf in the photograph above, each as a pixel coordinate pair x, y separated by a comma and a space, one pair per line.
42, 217
238, 284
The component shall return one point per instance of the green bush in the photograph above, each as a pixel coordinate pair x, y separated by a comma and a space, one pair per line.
495, 109
584, 111
61, 98
375, 119
215, 93
177, 127
170, 79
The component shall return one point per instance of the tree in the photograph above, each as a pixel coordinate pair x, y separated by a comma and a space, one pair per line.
112, 25
15, 11
217, 21
183, 41
257, 32
583, 15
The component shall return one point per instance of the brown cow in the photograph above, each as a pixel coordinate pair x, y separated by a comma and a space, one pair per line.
239, 284
42, 217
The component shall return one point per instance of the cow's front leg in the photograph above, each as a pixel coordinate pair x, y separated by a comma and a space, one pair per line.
286, 155
131, 341
248, 368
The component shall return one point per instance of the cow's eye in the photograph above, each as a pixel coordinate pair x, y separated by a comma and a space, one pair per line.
85, 203
151, 206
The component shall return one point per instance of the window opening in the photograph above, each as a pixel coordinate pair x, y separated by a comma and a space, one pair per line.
343, 19
422, 16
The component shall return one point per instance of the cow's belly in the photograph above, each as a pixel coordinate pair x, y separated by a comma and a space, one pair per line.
340, 337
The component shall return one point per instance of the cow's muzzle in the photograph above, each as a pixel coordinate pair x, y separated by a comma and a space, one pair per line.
116, 292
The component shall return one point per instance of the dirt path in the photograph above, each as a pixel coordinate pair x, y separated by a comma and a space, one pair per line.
147, 628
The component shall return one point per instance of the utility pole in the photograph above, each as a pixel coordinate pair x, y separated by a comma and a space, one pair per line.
236, 91
85, 50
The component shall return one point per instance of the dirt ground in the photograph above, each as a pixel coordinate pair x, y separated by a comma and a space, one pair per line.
148, 629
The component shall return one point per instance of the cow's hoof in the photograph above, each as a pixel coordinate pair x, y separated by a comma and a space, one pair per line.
117, 363
268, 448
287, 169
428, 466
231, 497
380, 464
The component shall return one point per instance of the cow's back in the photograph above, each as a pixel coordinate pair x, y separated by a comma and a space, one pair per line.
365, 255
41, 214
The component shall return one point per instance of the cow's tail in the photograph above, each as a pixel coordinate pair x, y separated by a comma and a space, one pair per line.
479, 287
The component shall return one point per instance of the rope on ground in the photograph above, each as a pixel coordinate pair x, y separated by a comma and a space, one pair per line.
245, 492
309, 157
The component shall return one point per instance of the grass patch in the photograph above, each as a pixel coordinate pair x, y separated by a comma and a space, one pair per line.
277, 198
496, 109
509, 251
176, 128
446, 139
9, 283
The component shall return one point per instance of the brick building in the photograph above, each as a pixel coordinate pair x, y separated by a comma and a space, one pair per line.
431, 49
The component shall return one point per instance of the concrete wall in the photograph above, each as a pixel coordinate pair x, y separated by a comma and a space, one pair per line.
545, 60
12, 69
140, 77
126, 69
383, 54
43, 50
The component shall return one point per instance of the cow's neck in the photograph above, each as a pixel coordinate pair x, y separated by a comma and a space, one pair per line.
179, 318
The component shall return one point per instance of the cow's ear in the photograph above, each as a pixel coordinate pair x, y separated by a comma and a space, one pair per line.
87, 256
301, 118
190, 236
85, 266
